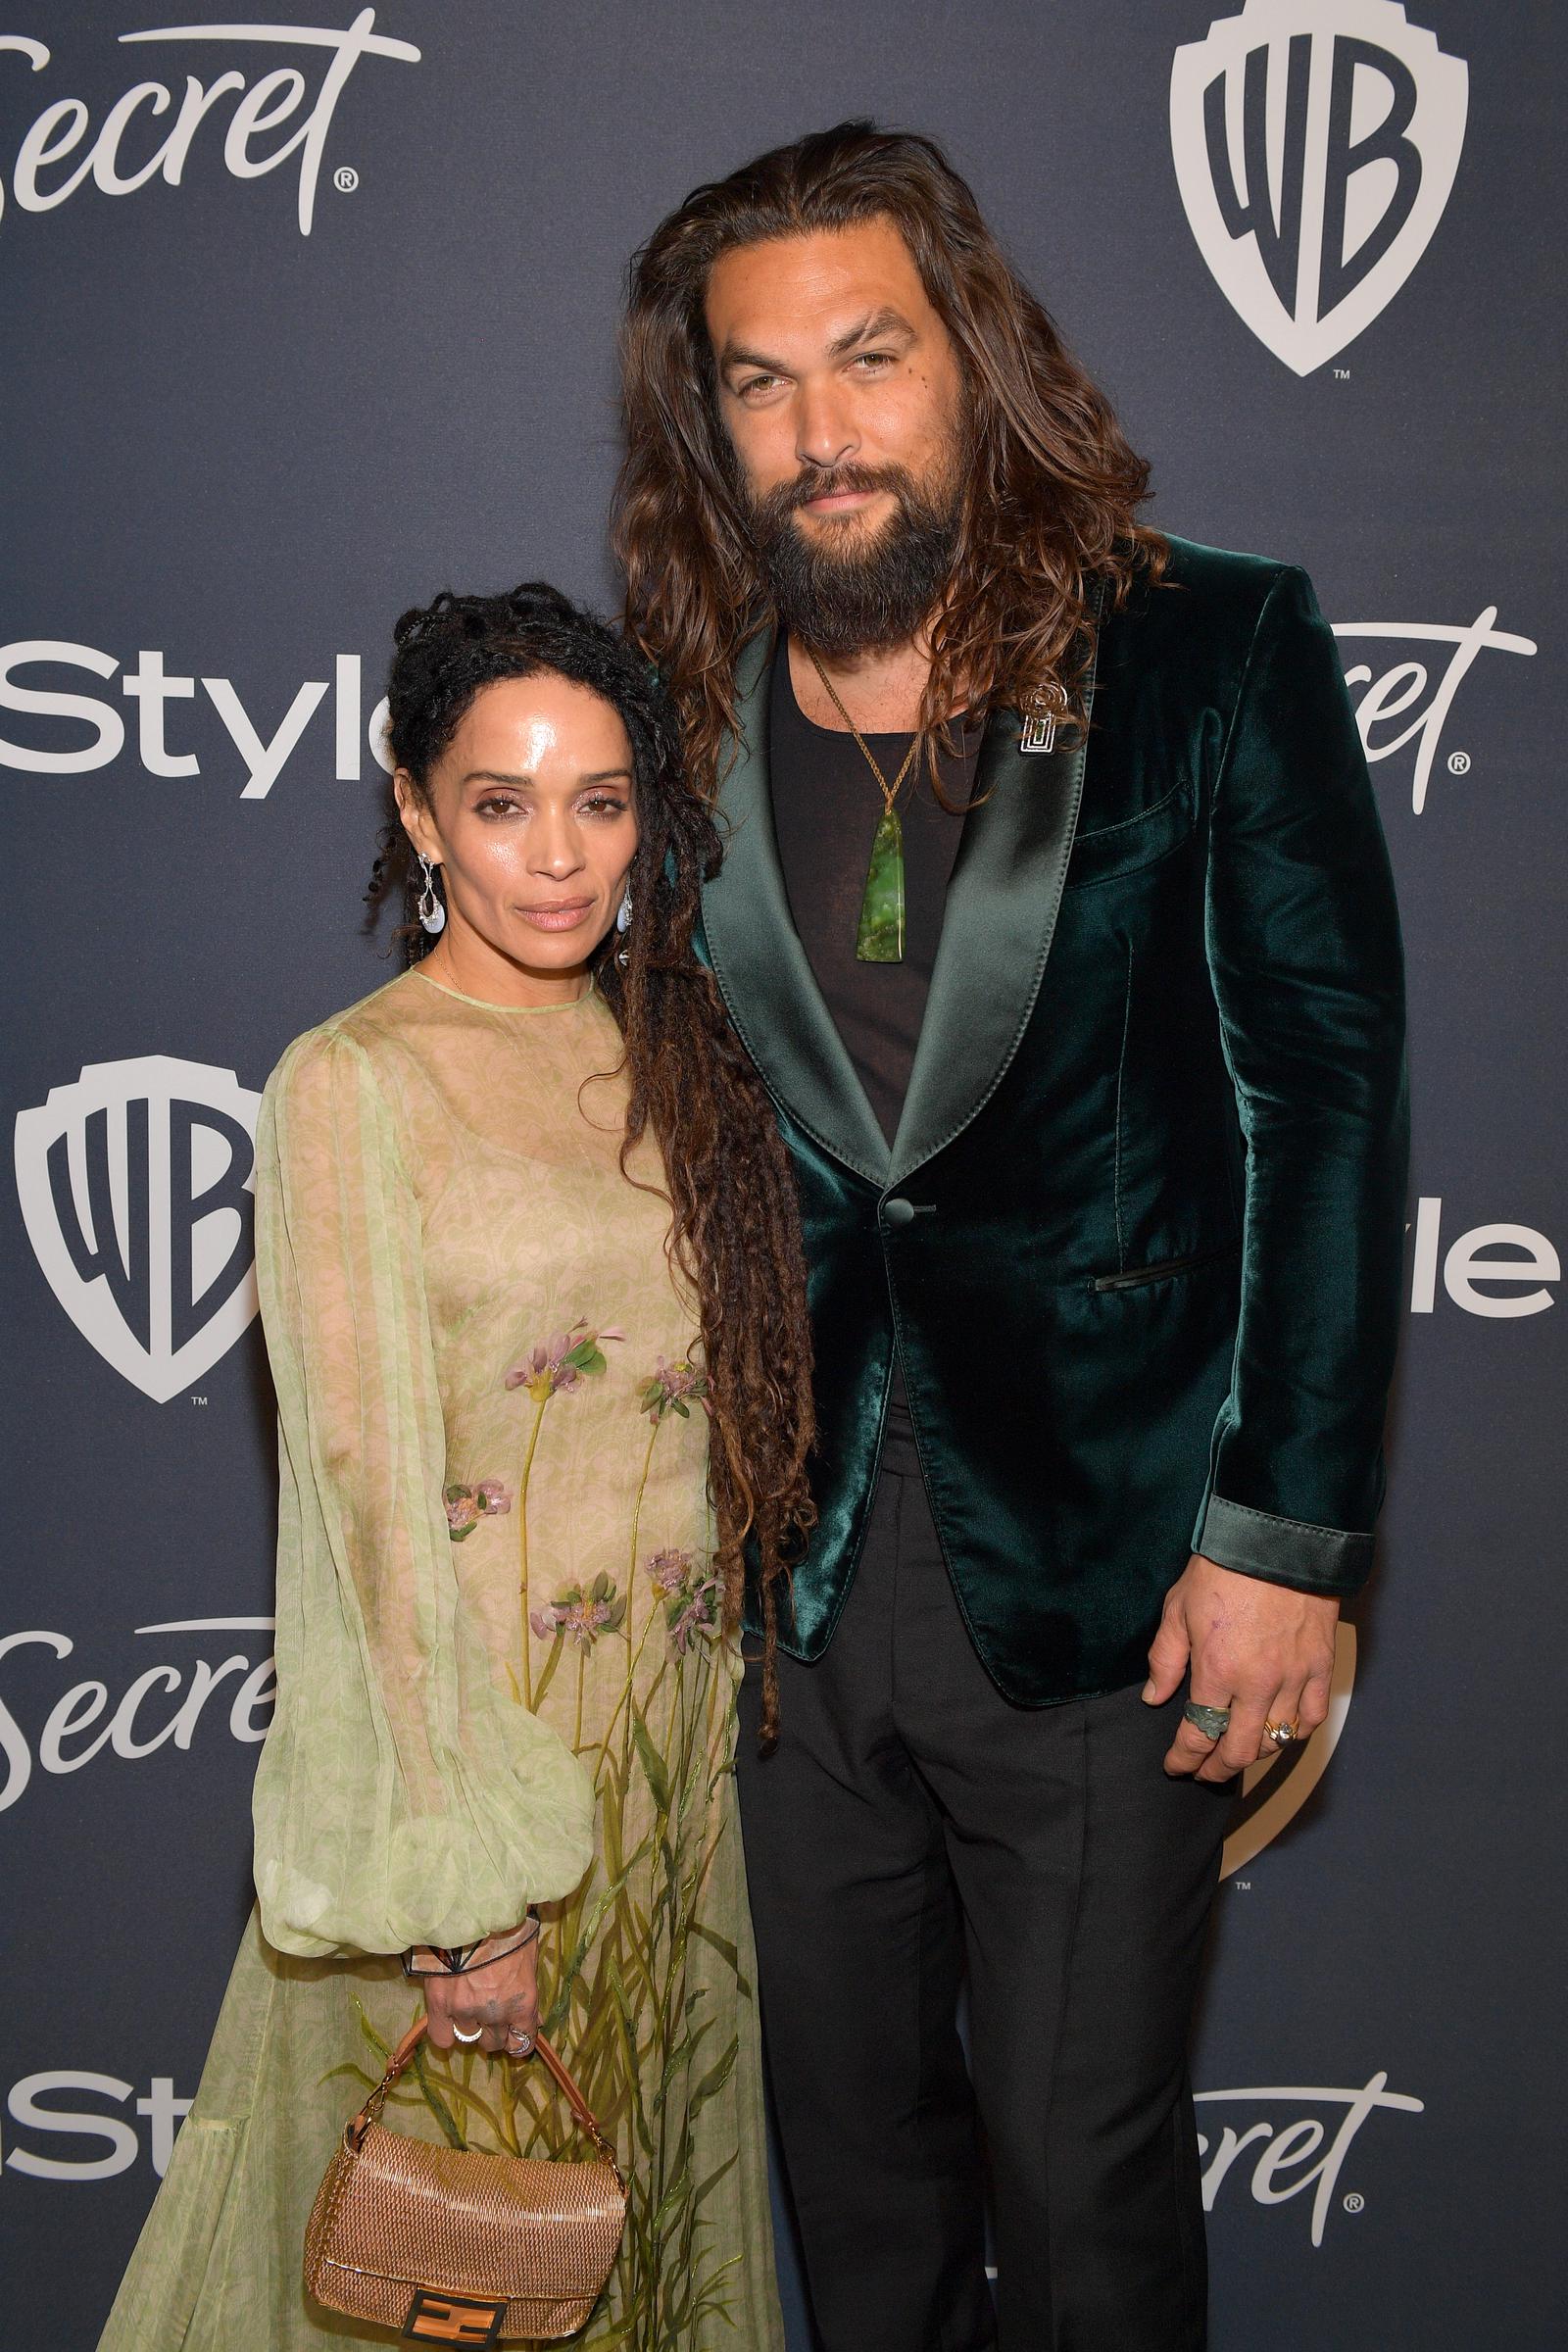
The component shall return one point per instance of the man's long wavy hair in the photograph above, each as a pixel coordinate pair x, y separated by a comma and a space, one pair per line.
735, 1226
1053, 488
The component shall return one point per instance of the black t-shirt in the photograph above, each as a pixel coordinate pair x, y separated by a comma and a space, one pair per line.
826, 808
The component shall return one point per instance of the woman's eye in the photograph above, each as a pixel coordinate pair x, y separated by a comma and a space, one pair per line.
498, 805
603, 804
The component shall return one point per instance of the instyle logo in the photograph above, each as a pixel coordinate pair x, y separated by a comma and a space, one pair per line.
162, 1705
42, 2123
263, 745
117, 158
1411, 702
1275, 1790
1316, 145
135, 1189
1497, 1271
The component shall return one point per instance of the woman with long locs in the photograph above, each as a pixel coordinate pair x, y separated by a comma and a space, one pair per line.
534, 1297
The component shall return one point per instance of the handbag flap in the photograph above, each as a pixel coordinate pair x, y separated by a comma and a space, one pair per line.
519, 2227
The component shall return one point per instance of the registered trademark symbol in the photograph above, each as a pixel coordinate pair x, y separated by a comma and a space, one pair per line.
1458, 763
1354, 2202
345, 179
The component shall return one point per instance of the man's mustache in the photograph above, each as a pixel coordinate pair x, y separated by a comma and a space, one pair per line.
820, 482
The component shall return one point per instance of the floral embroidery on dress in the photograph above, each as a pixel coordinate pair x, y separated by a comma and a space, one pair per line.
669, 1388
468, 1505
557, 1365
692, 1597
561, 1362
581, 1616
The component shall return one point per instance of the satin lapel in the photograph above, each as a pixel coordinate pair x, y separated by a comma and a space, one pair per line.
996, 930
761, 967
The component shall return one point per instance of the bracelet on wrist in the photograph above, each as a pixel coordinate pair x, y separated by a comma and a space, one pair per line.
462, 1959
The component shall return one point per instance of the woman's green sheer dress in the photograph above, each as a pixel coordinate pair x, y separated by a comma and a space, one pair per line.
501, 1678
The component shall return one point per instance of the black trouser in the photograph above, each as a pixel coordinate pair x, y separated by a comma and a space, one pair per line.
911, 1825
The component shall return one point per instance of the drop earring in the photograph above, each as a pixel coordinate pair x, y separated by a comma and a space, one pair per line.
623, 925
432, 914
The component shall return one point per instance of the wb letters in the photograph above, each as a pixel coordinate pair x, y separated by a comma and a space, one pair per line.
135, 1187
1316, 144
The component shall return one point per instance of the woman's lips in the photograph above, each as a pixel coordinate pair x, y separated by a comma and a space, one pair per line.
564, 915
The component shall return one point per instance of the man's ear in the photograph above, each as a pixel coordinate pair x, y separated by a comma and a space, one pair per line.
414, 810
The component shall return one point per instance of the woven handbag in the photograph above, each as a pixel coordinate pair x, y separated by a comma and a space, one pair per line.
452, 2246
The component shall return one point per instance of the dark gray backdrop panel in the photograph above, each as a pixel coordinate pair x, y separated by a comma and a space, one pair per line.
247, 449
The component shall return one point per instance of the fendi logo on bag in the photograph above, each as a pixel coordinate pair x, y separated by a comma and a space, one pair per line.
442, 2319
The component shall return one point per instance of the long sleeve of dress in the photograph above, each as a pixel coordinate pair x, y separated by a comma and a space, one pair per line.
404, 1794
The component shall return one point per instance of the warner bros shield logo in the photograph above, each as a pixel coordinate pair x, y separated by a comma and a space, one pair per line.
135, 1189
1316, 144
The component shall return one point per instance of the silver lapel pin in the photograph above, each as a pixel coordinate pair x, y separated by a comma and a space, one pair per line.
1041, 722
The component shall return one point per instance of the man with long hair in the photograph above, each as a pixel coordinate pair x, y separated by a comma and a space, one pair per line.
1057, 915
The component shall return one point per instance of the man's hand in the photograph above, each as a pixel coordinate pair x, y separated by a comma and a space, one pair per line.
1263, 1650
493, 2002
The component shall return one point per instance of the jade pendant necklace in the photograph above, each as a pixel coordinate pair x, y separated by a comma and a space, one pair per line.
880, 934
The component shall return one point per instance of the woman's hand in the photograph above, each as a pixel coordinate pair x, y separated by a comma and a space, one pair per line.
499, 2001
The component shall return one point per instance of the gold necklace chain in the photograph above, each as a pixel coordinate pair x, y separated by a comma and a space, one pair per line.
890, 792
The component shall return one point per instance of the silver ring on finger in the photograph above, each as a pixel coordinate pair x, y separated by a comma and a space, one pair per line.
1282, 1735
458, 2034
519, 2044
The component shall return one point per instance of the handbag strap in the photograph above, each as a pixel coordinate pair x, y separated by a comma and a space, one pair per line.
403, 2057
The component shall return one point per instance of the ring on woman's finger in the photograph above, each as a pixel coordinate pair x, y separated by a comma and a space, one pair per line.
518, 2042
1282, 1735
1213, 1721
459, 2035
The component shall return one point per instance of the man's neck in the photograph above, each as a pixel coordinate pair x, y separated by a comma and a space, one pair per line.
880, 689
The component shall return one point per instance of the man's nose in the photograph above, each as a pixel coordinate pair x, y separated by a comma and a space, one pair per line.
826, 436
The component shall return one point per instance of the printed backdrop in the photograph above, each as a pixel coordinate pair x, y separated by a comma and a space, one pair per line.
304, 320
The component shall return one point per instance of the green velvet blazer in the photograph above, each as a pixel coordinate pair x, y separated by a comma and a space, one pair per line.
1138, 1239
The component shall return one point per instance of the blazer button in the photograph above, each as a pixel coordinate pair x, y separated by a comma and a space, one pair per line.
897, 1211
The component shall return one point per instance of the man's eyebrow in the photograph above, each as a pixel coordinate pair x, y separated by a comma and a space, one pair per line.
884, 322
736, 355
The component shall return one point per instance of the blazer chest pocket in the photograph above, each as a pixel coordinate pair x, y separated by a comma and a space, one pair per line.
1107, 852
1166, 1269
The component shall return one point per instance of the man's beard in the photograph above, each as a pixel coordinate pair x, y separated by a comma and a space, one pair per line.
853, 596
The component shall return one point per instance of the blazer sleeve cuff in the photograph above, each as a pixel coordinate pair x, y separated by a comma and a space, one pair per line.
1283, 1551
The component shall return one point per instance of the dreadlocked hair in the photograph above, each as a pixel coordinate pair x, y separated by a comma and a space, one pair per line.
735, 1232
